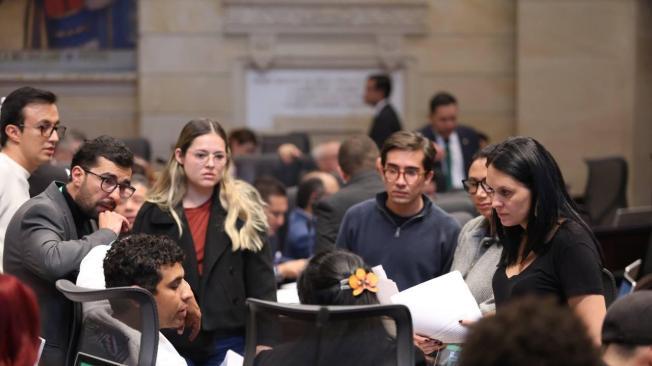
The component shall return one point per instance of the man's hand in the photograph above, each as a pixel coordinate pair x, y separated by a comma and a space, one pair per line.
427, 345
292, 269
288, 153
193, 318
441, 152
113, 221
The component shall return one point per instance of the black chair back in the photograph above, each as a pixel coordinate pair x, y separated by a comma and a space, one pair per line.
633, 216
140, 146
328, 335
119, 324
609, 287
606, 189
623, 245
44, 175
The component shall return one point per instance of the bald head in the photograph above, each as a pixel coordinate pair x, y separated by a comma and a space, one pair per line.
330, 182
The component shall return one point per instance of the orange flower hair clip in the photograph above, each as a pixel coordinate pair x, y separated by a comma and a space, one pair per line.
359, 281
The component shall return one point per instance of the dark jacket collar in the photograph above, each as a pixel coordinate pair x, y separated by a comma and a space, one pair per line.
363, 176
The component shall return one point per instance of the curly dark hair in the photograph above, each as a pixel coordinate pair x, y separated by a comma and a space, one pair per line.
137, 259
530, 331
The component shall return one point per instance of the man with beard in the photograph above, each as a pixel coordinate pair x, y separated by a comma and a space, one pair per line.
51, 233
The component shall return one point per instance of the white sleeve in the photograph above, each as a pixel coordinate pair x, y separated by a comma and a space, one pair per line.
91, 269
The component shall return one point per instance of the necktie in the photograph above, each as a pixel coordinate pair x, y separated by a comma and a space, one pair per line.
449, 167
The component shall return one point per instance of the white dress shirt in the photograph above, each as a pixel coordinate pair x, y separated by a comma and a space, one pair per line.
456, 170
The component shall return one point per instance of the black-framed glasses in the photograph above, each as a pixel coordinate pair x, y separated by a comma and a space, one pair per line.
471, 185
110, 183
490, 191
47, 129
410, 175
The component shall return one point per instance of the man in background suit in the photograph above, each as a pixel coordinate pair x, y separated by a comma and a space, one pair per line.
357, 159
457, 143
51, 233
385, 122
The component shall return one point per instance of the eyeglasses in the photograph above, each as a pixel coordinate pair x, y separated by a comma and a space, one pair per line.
203, 156
490, 191
110, 183
503, 194
471, 185
410, 175
47, 129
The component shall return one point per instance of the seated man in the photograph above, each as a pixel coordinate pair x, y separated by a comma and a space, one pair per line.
150, 262
627, 331
300, 239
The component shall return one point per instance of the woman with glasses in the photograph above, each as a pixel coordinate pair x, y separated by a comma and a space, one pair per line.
220, 224
477, 252
548, 249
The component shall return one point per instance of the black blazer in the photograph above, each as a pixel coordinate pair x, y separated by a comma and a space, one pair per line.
330, 211
228, 277
470, 145
384, 125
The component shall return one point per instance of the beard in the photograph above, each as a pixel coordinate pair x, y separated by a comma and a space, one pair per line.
91, 207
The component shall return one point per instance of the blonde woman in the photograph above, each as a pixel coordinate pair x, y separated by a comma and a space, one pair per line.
220, 224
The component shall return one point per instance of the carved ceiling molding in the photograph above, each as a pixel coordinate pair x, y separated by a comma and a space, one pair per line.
264, 21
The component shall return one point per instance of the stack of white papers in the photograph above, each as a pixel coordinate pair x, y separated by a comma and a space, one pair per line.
436, 305
288, 294
232, 359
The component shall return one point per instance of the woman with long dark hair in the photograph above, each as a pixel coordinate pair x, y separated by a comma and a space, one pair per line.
548, 248
220, 224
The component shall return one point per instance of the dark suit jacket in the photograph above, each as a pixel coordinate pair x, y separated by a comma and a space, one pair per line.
384, 124
330, 211
228, 277
470, 145
42, 246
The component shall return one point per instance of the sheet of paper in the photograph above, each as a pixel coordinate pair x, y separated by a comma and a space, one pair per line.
232, 359
379, 271
437, 306
386, 287
287, 296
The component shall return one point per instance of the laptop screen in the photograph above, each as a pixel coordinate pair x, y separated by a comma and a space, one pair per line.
84, 359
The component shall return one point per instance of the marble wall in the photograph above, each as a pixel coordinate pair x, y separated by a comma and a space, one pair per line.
193, 57
581, 81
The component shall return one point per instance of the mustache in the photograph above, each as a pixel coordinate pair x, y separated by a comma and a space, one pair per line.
108, 203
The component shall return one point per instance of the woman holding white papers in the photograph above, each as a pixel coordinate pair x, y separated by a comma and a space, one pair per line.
478, 252
337, 277
548, 248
